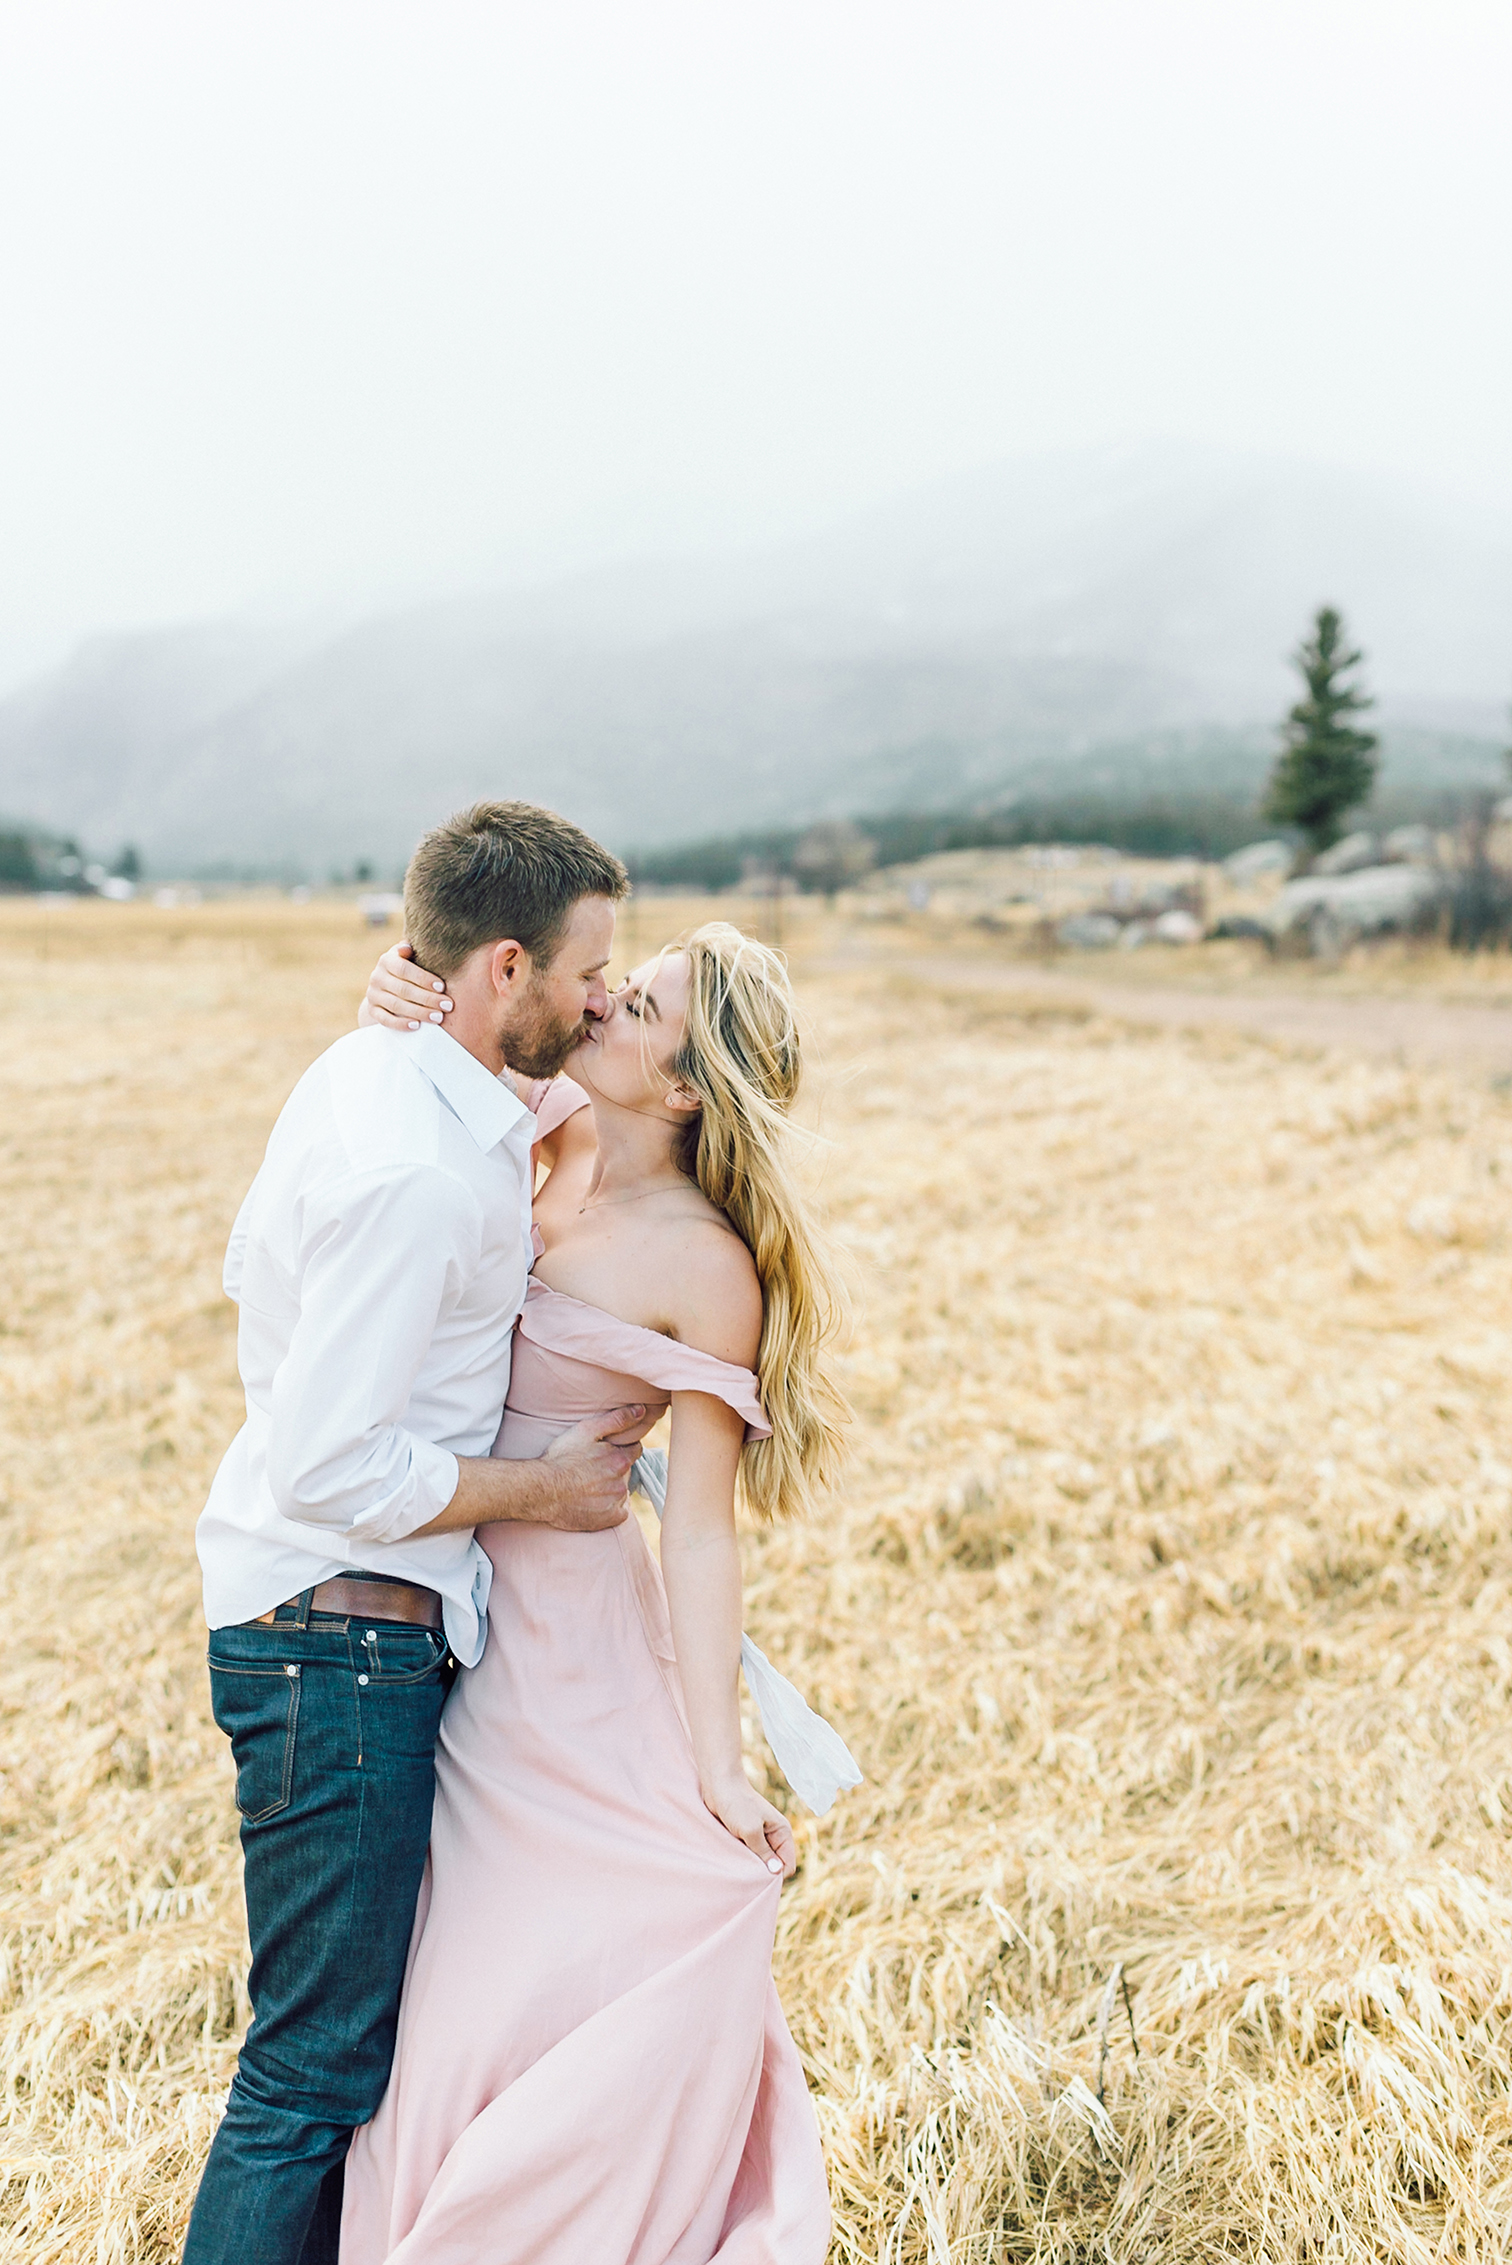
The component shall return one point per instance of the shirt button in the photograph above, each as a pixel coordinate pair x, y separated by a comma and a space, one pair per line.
362, 1678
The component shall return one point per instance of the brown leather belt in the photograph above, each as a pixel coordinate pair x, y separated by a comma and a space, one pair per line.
369, 1600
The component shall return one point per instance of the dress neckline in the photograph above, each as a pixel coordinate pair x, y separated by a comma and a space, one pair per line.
560, 1323
535, 1287
738, 1387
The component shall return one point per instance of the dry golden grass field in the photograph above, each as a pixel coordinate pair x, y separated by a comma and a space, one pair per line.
1169, 1612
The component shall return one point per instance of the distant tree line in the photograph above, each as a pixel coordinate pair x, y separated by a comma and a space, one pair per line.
32, 859
1158, 827
17, 866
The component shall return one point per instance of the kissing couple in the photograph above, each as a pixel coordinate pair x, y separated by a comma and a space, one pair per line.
511, 1895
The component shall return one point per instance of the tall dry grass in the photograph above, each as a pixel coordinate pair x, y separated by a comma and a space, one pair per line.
1170, 1612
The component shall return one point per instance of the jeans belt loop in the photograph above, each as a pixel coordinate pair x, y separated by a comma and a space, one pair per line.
302, 1611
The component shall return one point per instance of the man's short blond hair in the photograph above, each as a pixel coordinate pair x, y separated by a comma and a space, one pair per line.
502, 870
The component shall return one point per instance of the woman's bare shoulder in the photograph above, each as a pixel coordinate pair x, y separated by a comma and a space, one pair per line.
708, 1285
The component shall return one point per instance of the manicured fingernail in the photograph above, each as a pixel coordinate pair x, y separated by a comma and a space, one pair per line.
435, 1018
447, 1005
774, 1863
414, 1026
437, 986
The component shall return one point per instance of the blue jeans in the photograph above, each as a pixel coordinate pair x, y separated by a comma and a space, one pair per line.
333, 1726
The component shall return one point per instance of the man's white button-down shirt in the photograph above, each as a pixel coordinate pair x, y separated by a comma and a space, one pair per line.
379, 1263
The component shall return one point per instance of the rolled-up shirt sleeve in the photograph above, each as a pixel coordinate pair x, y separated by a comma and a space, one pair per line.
382, 1257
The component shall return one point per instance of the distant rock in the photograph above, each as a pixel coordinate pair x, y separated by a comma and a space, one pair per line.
1410, 845
1351, 855
1089, 932
1257, 861
1176, 925
1324, 914
1164, 896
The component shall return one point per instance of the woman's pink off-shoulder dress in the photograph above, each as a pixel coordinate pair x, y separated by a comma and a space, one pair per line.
592, 2067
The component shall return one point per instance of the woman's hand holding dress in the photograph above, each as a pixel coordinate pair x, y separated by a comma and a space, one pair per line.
742, 1811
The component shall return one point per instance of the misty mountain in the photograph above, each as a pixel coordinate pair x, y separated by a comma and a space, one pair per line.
1110, 621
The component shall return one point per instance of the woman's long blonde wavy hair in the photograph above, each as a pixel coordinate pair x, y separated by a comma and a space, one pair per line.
740, 1054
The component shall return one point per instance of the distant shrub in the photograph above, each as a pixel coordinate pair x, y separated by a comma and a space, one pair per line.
18, 865
833, 856
1478, 901
1479, 910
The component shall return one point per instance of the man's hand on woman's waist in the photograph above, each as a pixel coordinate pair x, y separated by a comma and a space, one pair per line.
577, 1486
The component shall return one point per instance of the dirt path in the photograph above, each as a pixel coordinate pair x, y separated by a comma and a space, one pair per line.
1473, 1038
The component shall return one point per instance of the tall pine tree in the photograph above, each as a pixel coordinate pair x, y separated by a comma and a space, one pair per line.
1325, 766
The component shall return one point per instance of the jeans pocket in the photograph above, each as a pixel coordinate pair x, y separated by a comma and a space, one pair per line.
387, 1654
258, 1709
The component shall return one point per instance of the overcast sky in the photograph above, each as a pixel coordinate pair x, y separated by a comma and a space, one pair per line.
317, 303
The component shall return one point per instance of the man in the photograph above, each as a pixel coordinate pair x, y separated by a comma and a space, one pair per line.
379, 1262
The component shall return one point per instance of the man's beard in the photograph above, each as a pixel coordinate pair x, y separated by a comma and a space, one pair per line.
538, 1043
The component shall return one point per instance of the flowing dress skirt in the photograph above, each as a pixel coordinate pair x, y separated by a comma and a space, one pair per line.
592, 2067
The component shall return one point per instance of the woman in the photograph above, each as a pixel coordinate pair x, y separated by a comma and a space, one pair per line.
592, 2066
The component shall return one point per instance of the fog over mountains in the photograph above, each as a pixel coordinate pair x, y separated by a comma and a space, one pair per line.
1115, 620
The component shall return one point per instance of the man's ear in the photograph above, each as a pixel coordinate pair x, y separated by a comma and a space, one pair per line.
683, 1099
508, 965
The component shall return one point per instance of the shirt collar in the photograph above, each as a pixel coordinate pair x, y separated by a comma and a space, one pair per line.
487, 1105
